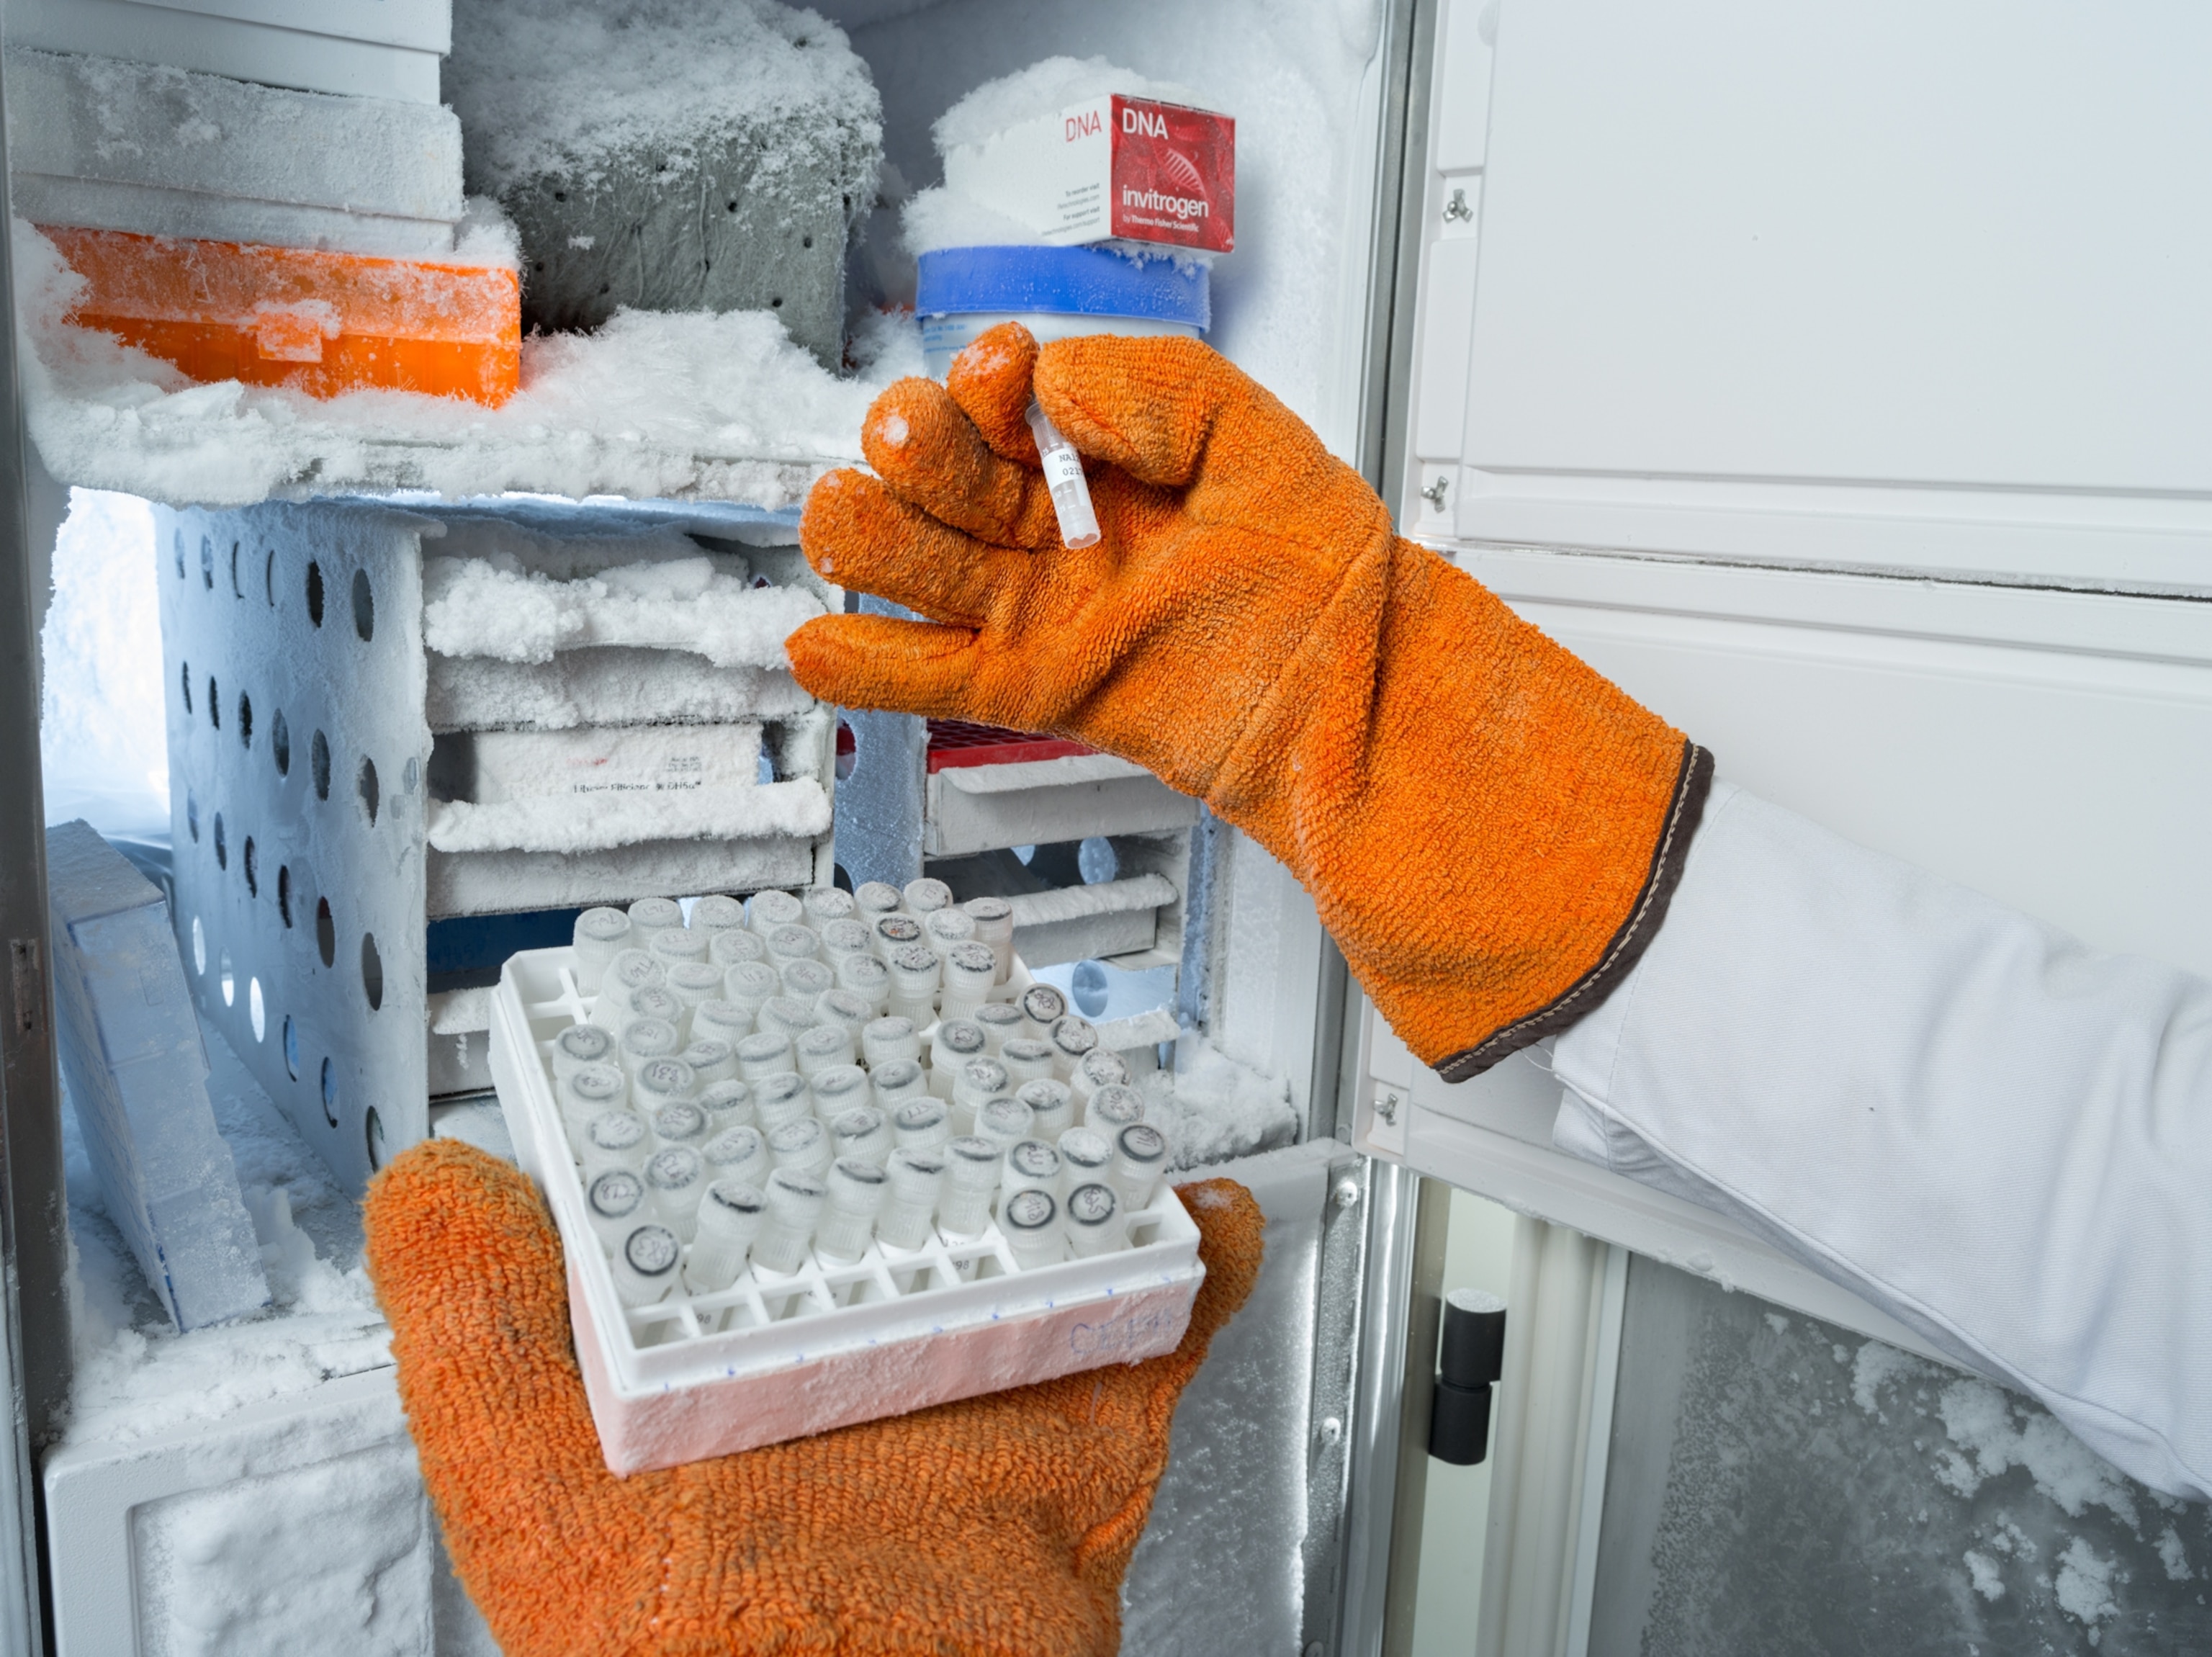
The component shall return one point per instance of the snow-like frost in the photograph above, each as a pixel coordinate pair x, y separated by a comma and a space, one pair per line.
1212, 1108
1983, 1421
1989, 1581
2173, 1556
1877, 1365
596, 822
2084, 1585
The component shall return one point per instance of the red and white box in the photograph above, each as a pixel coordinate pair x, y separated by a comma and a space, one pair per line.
1112, 166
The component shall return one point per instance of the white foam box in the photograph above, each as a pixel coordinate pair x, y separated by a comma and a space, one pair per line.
775, 1357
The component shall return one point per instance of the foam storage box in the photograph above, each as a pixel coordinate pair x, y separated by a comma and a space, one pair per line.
773, 1357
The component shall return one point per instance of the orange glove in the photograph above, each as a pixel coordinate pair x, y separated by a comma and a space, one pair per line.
1491, 831
999, 1526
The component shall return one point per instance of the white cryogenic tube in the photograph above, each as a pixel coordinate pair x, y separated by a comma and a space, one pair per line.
1099, 1068
751, 985
945, 926
926, 896
695, 983
887, 1040
916, 971
845, 1008
974, 1085
1086, 1158
794, 1206
677, 1178
804, 1145
680, 1124
1052, 1110
599, 933
848, 1218
675, 944
788, 1016
630, 969
615, 1139
782, 1099
955, 1042
1031, 1165
1072, 1038
1140, 1157
824, 903
644, 1040
1063, 476
763, 1054
721, 1020
1027, 1060
895, 932
898, 1083
726, 1104
839, 1088
1043, 1007
1030, 1221
915, 1178
995, 926
615, 1203
651, 916
867, 978
971, 1179
1094, 1222
653, 1001
1002, 1021
769, 910
861, 1135
823, 1047
587, 1091
794, 942
580, 1045
711, 1059
1005, 1122
734, 948
873, 899
730, 1217
662, 1082
806, 980
920, 1125
968, 977
846, 937
737, 1154
715, 913
1112, 1108
644, 1265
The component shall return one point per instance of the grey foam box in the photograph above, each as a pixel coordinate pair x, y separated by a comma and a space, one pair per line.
137, 1076
669, 155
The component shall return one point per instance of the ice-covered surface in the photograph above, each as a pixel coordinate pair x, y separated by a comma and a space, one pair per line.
603, 687
593, 822
1780, 1486
546, 86
1213, 1108
134, 1377
652, 406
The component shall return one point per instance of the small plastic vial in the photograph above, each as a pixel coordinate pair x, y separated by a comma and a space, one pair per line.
824, 903
751, 985
1140, 1157
1001, 1020
721, 1020
1094, 1214
1005, 1122
926, 896
1052, 1109
886, 1040
839, 1088
580, 1045
943, 928
1026, 1058
803, 1144
915, 972
737, 1154
673, 944
644, 1040
781, 1099
861, 1135
1030, 1221
711, 1059
914, 1178
895, 932
615, 1139
844, 1006
716, 913
765, 1053
995, 929
694, 983
616, 1205
824, 1046
661, 1082
653, 1002
788, 1016
1113, 1108
727, 949
795, 943
873, 899
1099, 1068
767, 910
974, 1085
868, 978
599, 933
726, 1104
920, 1125
968, 977
1043, 1007
954, 1042
844, 938
793, 1207
1063, 476
972, 1180
730, 1217
632, 968
899, 1083
1086, 1158
1031, 1165
650, 916
805, 980
856, 1190
676, 1177
680, 1124
644, 1265
1072, 1038
587, 1091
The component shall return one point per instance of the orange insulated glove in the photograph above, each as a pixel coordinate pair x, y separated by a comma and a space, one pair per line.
999, 1526
1490, 830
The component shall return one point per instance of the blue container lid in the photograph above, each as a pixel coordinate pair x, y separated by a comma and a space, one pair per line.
1062, 281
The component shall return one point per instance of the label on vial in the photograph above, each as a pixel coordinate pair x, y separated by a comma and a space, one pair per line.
1062, 466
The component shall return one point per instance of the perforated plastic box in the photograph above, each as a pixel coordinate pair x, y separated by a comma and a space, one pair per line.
775, 1357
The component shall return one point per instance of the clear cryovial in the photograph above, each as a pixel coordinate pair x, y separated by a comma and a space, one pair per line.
867, 978
824, 903
794, 942
726, 1104
972, 1180
1002, 1021
644, 1040
615, 1203
844, 938
715, 913
839, 1088
920, 1125
1005, 1122
856, 1192
788, 1016
861, 1134
1043, 1007
644, 1265
954, 1042
676, 1177
976, 1084
823, 1047
649, 916
711, 1059
680, 1124
1071, 1038
751, 985
874, 898
763, 1054
580, 1045
652, 1002
1030, 1221
721, 1020
885, 1040
969, 979
1027, 1059
915, 973
1099, 1068
676, 944
844, 1006
794, 1208
995, 929
782, 1099
589, 1091
599, 933
1094, 1222
926, 896
1031, 1165
615, 1139
661, 1082
899, 1083
915, 1177
1113, 1108
729, 949
1140, 1157
766, 911
803, 1144
737, 1154
1063, 476
806, 979
1086, 1158
1052, 1108
730, 1217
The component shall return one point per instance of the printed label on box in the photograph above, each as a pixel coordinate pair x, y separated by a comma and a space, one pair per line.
1174, 175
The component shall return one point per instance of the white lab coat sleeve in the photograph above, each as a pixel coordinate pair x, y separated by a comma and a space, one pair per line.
1994, 1133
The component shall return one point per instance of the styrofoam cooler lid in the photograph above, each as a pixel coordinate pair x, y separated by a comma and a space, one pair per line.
1065, 281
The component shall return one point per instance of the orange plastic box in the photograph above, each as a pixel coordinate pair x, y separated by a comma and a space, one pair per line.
316, 322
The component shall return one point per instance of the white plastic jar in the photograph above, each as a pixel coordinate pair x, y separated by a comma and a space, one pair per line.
1056, 293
